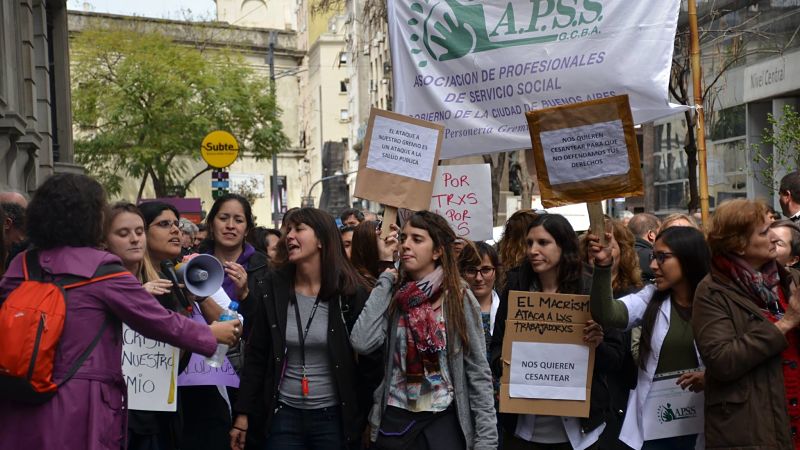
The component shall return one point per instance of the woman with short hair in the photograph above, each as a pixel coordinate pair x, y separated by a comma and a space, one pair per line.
745, 319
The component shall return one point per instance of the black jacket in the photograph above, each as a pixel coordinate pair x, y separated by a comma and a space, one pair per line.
644, 249
355, 380
257, 270
609, 357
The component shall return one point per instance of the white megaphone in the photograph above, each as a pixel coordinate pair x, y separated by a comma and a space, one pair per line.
203, 276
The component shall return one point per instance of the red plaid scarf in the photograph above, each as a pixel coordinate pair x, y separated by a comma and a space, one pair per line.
424, 338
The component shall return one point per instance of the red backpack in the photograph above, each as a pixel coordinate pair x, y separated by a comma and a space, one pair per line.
31, 322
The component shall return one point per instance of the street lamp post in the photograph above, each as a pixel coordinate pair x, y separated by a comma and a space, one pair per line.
308, 200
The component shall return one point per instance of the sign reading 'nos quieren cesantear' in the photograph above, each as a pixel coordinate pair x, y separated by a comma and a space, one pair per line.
477, 67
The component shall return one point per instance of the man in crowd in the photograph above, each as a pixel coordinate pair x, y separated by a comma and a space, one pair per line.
645, 227
201, 234
14, 205
351, 217
188, 232
789, 195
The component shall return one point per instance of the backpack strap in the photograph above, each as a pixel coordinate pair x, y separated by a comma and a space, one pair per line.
31, 269
81, 359
104, 272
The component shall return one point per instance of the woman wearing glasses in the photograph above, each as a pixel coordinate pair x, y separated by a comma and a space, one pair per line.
680, 260
478, 263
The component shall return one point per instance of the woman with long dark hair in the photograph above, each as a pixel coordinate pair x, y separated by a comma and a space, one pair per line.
554, 266
65, 226
370, 253
302, 385
437, 388
680, 261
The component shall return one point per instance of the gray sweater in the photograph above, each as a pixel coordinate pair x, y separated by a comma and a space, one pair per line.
471, 377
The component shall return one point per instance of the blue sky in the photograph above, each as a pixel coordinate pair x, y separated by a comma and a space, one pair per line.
160, 9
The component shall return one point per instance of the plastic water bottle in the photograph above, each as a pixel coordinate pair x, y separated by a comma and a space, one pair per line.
218, 357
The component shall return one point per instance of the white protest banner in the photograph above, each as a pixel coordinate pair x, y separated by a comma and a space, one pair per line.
477, 67
462, 194
150, 369
670, 411
554, 371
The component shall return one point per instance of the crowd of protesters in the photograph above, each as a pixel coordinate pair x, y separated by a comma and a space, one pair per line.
356, 335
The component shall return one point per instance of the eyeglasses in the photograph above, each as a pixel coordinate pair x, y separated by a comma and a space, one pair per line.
473, 271
167, 224
660, 257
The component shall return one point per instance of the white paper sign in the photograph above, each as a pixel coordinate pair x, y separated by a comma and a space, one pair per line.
586, 152
402, 148
477, 67
150, 369
463, 195
670, 411
548, 371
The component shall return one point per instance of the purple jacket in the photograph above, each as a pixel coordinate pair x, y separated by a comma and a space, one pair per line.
90, 410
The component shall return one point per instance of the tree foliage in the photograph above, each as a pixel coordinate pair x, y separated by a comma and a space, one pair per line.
783, 135
143, 104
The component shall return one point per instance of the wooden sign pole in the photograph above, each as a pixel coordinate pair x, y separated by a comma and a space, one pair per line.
597, 221
389, 218
700, 135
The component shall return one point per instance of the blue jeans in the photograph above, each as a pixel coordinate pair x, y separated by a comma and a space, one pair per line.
306, 429
674, 443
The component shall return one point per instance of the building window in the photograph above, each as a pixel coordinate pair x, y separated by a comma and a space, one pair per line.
344, 115
342, 58
343, 86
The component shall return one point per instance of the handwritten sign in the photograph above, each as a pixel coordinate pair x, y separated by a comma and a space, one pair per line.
554, 371
463, 195
586, 152
198, 373
150, 369
401, 148
398, 161
547, 369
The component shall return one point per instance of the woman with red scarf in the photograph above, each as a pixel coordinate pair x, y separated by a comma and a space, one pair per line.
437, 387
746, 313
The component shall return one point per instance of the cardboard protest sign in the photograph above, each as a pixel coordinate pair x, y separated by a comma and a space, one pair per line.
585, 152
463, 195
150, 369
477, 67
398, 161
547, 369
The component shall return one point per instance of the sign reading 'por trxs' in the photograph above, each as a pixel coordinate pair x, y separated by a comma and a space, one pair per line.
477, 67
